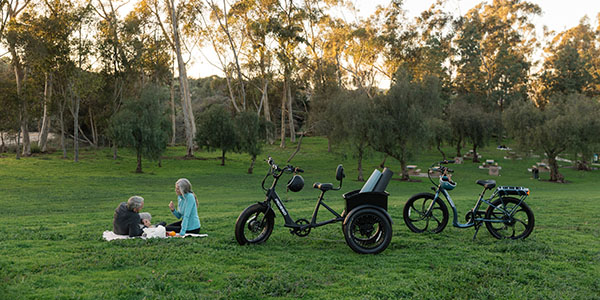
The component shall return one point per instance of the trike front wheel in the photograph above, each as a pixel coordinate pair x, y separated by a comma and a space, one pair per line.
254, 225
419, 218
509, 218
367, 231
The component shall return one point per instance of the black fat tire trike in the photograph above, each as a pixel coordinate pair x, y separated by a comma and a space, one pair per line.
366, 225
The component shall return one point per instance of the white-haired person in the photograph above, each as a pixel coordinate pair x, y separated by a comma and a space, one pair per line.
186, 210
128, 220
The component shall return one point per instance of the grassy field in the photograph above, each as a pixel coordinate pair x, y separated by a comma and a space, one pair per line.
53, 213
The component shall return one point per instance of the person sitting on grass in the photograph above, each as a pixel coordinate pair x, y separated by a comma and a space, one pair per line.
128, 220
187, 209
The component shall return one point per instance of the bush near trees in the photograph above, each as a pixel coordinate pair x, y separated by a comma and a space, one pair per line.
143, 125
251, 135
216, 130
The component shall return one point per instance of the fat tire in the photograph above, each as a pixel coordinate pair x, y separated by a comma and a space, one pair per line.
424, 197
241, 225
381, 237
523, 206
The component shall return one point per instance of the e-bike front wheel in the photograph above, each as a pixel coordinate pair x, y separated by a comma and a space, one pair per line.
254, 225
509, 219
418, 218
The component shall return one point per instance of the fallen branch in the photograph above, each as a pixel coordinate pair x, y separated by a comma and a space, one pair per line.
297, 148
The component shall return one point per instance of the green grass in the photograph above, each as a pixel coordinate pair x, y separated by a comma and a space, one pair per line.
54, 212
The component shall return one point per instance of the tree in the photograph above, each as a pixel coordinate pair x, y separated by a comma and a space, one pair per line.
176, 10
440, 132
549, 129
251, 135
398, 128
11, 10
351, 118
216, 130
468, 119
143, 125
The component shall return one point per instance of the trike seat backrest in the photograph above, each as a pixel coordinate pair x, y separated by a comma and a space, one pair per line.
378, 181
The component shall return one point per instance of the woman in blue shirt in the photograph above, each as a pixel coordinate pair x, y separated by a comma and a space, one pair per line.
187, 209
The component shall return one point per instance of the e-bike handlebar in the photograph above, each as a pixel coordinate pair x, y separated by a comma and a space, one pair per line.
276, 171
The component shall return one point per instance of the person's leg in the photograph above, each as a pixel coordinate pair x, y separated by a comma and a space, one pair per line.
174, 226
197, 230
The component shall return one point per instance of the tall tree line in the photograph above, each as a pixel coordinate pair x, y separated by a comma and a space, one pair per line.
295, 64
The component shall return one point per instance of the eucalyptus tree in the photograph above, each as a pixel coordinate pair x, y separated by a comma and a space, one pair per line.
224, 27
11, 11
259, 55
495, 45
169, 15
572, 64
287, 31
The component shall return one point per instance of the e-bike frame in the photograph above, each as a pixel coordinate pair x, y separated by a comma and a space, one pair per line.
271, 195
475, 212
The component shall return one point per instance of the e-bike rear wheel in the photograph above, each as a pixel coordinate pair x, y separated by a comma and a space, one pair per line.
418, 220
368, 231
254, 225
514, 220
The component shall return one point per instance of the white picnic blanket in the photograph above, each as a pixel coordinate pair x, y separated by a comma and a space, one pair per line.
109, 236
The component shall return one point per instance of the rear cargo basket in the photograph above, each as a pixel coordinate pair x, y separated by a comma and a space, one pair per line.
355, 199
512, 190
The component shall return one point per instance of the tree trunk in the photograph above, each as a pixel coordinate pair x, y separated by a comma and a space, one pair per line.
173, 115
291, 113
75, 101
382, 164
475, 156
267, 111
62, 131
186, 101
405, 176
43, 140
94, 130
138, 169
283, 102
360, 168
554, 174
115, 150
26, 140
439, 148
584, 164
18, 152
3, 146
458, 147
223, 158
251, 169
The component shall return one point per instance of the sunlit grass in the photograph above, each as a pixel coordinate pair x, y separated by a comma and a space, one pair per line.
54, 212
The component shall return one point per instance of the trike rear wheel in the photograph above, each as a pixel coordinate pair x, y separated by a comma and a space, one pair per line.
514, 220
367, 231
254, 225
418, 220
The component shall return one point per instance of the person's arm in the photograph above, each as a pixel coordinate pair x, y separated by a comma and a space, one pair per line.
134, 228
175, 212
187, 211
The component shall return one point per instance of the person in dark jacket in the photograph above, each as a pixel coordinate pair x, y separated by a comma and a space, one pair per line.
127, 219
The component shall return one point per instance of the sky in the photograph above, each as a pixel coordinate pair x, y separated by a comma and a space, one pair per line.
557, 15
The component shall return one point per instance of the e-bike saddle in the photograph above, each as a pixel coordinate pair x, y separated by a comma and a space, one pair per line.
488, 184
323, 186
